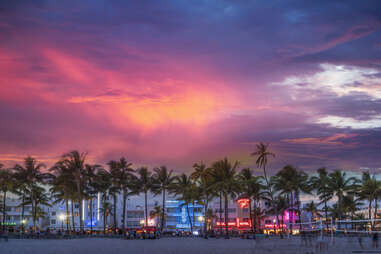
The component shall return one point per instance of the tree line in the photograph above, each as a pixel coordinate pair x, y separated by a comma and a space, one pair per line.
72, 179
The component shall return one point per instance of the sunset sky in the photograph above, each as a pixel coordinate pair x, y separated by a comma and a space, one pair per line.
176, 82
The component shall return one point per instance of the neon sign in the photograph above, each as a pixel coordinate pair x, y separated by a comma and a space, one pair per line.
243, 202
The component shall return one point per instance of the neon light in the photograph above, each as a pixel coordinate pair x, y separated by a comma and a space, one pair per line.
243, 202
274, 225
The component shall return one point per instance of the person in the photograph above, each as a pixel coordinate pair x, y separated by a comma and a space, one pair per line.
375, 240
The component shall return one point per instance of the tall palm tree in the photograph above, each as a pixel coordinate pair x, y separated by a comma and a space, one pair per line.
6, 185
253, 189
292, 182
226, 173
321, 185
75, 161
183, 188
62, 187
262, 153
164, 179
369, 189
144, 183
102, 184
115, 171
29, 174
91, 187
339, 184
39, 198
203, 177
123, 180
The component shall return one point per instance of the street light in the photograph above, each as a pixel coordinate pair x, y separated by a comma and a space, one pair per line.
62, 218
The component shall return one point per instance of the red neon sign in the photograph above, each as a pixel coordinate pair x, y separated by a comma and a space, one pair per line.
243, 202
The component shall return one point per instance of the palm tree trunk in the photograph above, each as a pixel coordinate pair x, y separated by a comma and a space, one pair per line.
251, 216
370, 213
22, 212
115, 202
220, 212
193, 218
67, 214
79, 192
255, 217
124, 210
205, 218
375, 208
226, 217
326, 213
72, 215
91, 214
292, 213
4, 208
163, 213
189, 218
146, 208
33, 208
104, 213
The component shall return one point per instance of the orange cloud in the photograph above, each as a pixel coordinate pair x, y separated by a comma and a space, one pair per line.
332, 140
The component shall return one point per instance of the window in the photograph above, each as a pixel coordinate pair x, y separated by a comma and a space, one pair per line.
171, 210
268, 221
76, 214
135, 214
245, 210
231, 210
219, 211
53, 222
76, 205
53, 213
171, 219
198, 209
133, 224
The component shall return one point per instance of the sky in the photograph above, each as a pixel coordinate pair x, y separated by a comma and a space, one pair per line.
176, 82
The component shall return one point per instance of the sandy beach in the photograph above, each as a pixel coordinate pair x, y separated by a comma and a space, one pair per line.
175, 245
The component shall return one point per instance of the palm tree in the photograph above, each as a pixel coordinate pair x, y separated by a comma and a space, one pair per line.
312, 208
253, 189
39, 198
106, 210
262, 153
183, 188
91, 186
29, 175
144, 183
339, 184
157, 212
369, 189
203, 177
164, 180
62, 187
121, 172
291, 182
102, 184
321, 185
225, 173
6, 185
75, 161
115, 171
